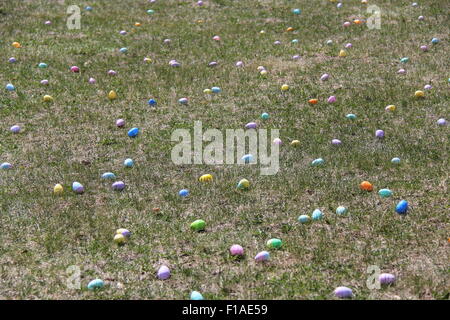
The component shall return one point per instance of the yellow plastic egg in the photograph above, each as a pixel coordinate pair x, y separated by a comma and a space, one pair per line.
120, 238
419, 94
112, 95
206, 178
148, 60
58, 189
390, 107
48, 98
263, 72
284, 87
243, 184
295, 143
342, 53
290, 29
16, 44
207, 91
262, 32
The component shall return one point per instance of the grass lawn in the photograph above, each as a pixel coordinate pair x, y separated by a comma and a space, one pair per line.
75, 138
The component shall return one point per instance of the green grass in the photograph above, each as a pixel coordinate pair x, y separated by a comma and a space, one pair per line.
75, 139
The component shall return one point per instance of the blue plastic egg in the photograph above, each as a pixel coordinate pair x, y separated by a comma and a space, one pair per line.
88, 8
304, 218
195, 295
265, 116
123, 50
317, 162
183, 101
317, 214
5, 166
402, 207
385, 193
216, 89
128, 163
351, 116
183, 192
108, 175
10, 87
133, 132
247, 158
435, 40
262, 256
42, 65
395, 160
152, 102
96, 284
296, 11
341, 210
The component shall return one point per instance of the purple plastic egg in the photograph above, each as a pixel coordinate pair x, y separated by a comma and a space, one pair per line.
336, 141
331, 99
386, 278
75, 69
251, 125
428, 87
296, 57
112, 73
401, 71
212, 64
348, 45
239, 64
120, 123
236, 250
163, 273
91, 80
442, 122
118, 186
379, 134
325, 77
15, 129
343, 292
262, 256
12, 60
44, 82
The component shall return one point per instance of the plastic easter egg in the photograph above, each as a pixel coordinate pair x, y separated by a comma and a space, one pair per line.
151, 102
96, 284
239, 64
236, 250
343, 292
216, 38
304, 218
428, 87
174, 63
128, 163
366, 186
348, 46
351, 116
148, 60
329, 42
390, 107
112, 95
77, 187
198, 225
424, 48
342, 53
75, 69
183, 193
419, 94
339, 5
88, 8
108, 176
263, 72
395, 160
122, 32
296, 57
313, 101
42, 65
10, 87
331, 99
123, 50
5, 166
404, 60
341, 210
207, 91
213, 64
277, 141
195, 295
216, 89
274, 243
262, 256
58, 189
435, 40
317, 162
125, 232
379, 134
441, 122
150, 11
47, 98
183, 101
15, 129
317, 214
386, 278
133, 132
119, 239
163, 273
284, 87
199, 3
295, 143
294, 41
260, 68
421, 18
346, 24
325, 77
265, 116
120, 123
44, 82
296, 11
112, 73
92, 80
12, 60
336, 142
402, 207
385, 193
118, 186
206, 178
243, 184
247, 158
137, 24
251, 125
277, 42
48, 22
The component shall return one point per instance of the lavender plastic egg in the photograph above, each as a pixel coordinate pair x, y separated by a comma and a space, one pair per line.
343, 292
183, 101
118, 186
379, 134
442, 122
386, 278
331, 99
336, 141
15, 129
12, 60
123, 32
262, 256
120, 123
239, 64
77, 187
325, 77
251, 125
44, 82
92, 80
163, 273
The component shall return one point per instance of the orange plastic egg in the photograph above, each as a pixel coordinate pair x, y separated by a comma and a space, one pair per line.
290, 29
313, 101
366, 186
